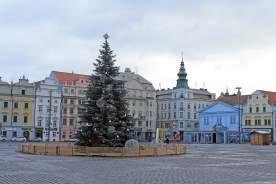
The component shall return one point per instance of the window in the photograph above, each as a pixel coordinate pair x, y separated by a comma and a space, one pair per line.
47, 122
72, 101
14, 134
188, 115
267, 122
257, 122
26, 105
248, 122
54, 134
15, 105
150, 113
264, 109
162, 106
194, 115
233, 120
40, 108
23, 92
189, 106
181, 125
54, 123
133, 113
39, 122
206, 121
71, 122
55, 109
48, 108
65, 101
174, 105
66, 90
181, 106
15, 119
25, 119
257, 109
181, 115
64, 122
72, 91
65, 110
174, 115
147, 123
219, 120
250, 109
71, 111
6, 105
140, 123
5, 118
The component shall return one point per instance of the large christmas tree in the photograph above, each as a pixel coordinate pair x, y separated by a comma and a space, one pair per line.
105, 119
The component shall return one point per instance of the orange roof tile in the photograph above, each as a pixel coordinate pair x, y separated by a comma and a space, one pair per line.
233, 99
271, 96
66, 77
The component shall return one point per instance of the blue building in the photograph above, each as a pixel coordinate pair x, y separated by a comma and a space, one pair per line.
219, 123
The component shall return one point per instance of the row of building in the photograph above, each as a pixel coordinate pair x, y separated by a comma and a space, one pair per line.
49, 109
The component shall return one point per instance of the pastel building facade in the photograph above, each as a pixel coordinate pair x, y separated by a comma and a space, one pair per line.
258, 113
219, 123
48, 110
17, 102
141, 97
74, 87
177, 108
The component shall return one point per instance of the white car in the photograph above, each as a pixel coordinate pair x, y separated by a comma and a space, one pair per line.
71, 140
2, 139
37, 139
20, 139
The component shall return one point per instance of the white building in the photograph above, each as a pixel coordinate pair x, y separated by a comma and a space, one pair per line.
48, 109
177, 108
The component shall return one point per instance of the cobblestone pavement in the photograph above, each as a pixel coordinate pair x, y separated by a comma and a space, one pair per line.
222, 164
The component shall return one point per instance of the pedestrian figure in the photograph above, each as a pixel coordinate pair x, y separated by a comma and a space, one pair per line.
167, 141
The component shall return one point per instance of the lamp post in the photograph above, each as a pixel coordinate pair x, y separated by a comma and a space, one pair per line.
239, 95
50, 115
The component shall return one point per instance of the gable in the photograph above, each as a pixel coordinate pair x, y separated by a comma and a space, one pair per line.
219, 107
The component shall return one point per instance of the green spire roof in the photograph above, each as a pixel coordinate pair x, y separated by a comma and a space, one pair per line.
182, 81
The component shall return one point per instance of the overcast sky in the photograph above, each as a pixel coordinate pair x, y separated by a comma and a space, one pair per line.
226, 43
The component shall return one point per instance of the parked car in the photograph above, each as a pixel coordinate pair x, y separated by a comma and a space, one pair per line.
37, 139
20, 139
71, 140
3, 139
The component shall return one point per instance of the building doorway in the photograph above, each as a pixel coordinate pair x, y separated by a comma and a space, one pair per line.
214, 138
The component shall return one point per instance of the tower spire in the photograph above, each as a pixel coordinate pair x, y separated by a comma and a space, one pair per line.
182, 81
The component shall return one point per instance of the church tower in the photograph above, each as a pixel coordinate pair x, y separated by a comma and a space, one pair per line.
182, 81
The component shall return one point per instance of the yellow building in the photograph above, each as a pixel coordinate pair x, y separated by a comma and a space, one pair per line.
257, 113
17, 107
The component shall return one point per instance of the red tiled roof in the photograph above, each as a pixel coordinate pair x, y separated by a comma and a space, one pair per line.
233, 99
271, 96
66, 77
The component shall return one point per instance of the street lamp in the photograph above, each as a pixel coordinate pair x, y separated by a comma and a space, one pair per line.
239, 95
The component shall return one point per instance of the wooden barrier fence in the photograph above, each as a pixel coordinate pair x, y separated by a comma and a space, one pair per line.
67, 149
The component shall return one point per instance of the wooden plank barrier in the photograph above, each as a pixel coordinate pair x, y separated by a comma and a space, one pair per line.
65, 149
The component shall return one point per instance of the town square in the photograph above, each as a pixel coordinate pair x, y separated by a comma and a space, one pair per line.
203, 164
142, 92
